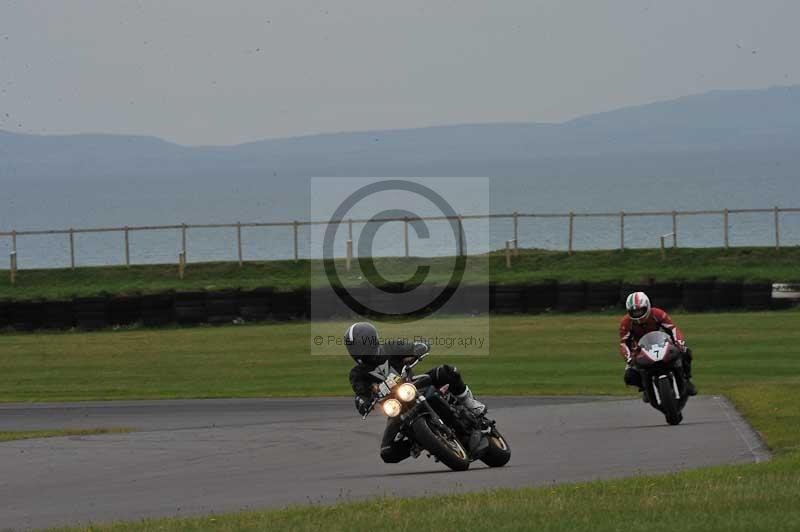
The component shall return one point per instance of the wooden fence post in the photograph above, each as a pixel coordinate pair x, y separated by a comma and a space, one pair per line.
516, 233
13, 267
405, 234
725, 220
777, 229
622, 230
461, 251
296, 251
71, 248
239, 241
674, 229
181, 264
127, 248
571, 222
183, 242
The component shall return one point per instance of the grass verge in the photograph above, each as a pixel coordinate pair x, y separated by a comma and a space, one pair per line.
529, 267
35, 434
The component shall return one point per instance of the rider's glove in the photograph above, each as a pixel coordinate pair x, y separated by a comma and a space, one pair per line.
629, 360
681, 345
421, 348
362, 405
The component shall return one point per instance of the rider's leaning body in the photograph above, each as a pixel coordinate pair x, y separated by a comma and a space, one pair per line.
365, 347
640, 319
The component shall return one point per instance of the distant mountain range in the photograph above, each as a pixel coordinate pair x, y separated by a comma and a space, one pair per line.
754, 132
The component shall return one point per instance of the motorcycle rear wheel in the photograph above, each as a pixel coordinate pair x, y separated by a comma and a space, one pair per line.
447, 449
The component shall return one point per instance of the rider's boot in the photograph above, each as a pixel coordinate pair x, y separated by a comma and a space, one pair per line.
632, 378
469, 401
691, 389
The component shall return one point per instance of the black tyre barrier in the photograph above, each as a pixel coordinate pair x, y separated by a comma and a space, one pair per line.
161, 302
698, 295
255, 305
92, 321
156, 317
469, 299
756, 296
571, 297
190, 314
507, 299
667, 295
222, 307
3, 314
91, 312
419, 300
324, 304
602, 295
95, 304
124, 310
189, 299
156, 309
58, 315
290, 305
189, 308
726, 295
541, 297
384, 299
25, 315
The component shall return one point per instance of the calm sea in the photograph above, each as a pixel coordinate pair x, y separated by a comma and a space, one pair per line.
85, 204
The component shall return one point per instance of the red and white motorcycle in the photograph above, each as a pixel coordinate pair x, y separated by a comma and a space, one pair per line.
660, 364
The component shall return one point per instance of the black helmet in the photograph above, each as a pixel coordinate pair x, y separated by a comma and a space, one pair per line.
361, 340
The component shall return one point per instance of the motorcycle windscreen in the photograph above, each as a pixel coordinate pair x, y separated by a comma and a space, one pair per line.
655, 344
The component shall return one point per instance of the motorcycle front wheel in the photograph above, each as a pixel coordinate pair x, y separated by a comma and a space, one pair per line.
669, 404
499, 452
441, 443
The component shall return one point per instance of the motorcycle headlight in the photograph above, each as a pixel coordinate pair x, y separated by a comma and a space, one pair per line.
406, 392
392, 407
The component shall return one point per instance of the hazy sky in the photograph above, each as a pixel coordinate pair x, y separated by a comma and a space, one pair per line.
214, 72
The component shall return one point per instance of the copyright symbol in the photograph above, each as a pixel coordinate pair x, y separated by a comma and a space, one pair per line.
318, 340
366, 261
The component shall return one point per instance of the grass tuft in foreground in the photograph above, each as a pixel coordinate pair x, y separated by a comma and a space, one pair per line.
35, 434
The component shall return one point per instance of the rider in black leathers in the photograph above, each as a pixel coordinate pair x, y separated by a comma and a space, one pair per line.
364, 346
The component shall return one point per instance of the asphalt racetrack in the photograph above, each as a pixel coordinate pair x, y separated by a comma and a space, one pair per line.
210, 456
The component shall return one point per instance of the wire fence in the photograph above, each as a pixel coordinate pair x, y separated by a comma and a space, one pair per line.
233, 239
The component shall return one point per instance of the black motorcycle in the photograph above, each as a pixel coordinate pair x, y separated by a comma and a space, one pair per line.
660, 364
433, 420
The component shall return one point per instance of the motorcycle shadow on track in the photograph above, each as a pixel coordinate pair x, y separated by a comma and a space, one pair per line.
654, 426
412, 473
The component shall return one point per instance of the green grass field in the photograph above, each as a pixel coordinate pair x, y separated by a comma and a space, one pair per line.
541, 354
529, 267
749, 357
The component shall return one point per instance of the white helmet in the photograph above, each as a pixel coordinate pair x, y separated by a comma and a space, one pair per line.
638, 306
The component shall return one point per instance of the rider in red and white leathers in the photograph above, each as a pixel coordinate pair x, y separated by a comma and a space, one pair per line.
641, 319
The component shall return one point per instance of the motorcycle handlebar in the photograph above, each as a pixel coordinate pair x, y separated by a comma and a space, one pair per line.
417, 360
371, 406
